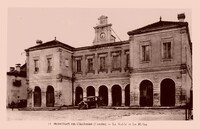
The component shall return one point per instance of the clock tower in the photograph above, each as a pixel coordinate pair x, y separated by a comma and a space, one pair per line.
103, 31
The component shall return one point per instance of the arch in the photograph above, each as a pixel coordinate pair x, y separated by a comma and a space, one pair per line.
50, 96
146, 93
90, 91
127, 95
167, 93
116, 95
79, 95
103, 95
37, 97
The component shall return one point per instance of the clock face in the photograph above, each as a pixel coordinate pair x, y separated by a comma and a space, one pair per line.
102, 35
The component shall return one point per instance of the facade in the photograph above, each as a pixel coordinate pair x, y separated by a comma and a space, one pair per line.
161, 65
17, 85
152, 68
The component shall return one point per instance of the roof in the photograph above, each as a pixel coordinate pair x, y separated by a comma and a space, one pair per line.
16, 73
102, 45
22, 72
160, 25
50, 44
56, 43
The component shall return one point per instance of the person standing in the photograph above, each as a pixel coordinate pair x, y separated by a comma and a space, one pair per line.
12, 105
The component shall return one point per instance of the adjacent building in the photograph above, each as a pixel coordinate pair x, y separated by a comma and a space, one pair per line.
17, 85
152, 68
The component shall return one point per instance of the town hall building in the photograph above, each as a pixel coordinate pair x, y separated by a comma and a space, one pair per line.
152, 68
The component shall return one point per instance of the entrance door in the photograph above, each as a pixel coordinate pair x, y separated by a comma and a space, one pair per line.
116, 95
50, 96
103, 95
90, 91
79, 95
127, 95
37, 97
146, 93
167, 92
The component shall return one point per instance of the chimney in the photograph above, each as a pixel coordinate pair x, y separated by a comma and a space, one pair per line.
39, 42
12, 69
181, 17
18, 67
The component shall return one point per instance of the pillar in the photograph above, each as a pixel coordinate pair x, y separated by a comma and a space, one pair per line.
43, 99
123, 97
32, 99
84, 94
96, 92
74, 98
109, 97
156, 94
185, 90
134, 93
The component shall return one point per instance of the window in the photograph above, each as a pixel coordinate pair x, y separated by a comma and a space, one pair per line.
36, 66
90, 65
167, 50
102, 63
146, 53
66, 62
116, 62
49, 65
16, 82
127, 61
78, 66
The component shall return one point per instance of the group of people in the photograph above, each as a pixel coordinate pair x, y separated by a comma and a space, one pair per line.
15, 104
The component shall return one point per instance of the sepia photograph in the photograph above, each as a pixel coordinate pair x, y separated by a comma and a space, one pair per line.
98, 67
99, 64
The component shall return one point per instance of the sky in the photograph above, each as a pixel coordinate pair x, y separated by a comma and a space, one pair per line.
74, 26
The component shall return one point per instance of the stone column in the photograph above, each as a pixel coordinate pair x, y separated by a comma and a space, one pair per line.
134, 93
109, 97
123, 97
182, 86
43, 99
32, 100
156, 95
136, 97
96, 92
74, 98
84, 94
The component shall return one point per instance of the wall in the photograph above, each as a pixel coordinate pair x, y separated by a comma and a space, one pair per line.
156, 39
56, 78
13, 92
95, 52
98, 78
108, 82
158, 69
156, 78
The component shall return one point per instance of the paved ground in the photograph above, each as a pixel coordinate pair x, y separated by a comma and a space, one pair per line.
98, 115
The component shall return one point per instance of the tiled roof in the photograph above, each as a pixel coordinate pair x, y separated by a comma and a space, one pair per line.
50, 44
56, 43
160, 25
16, 73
